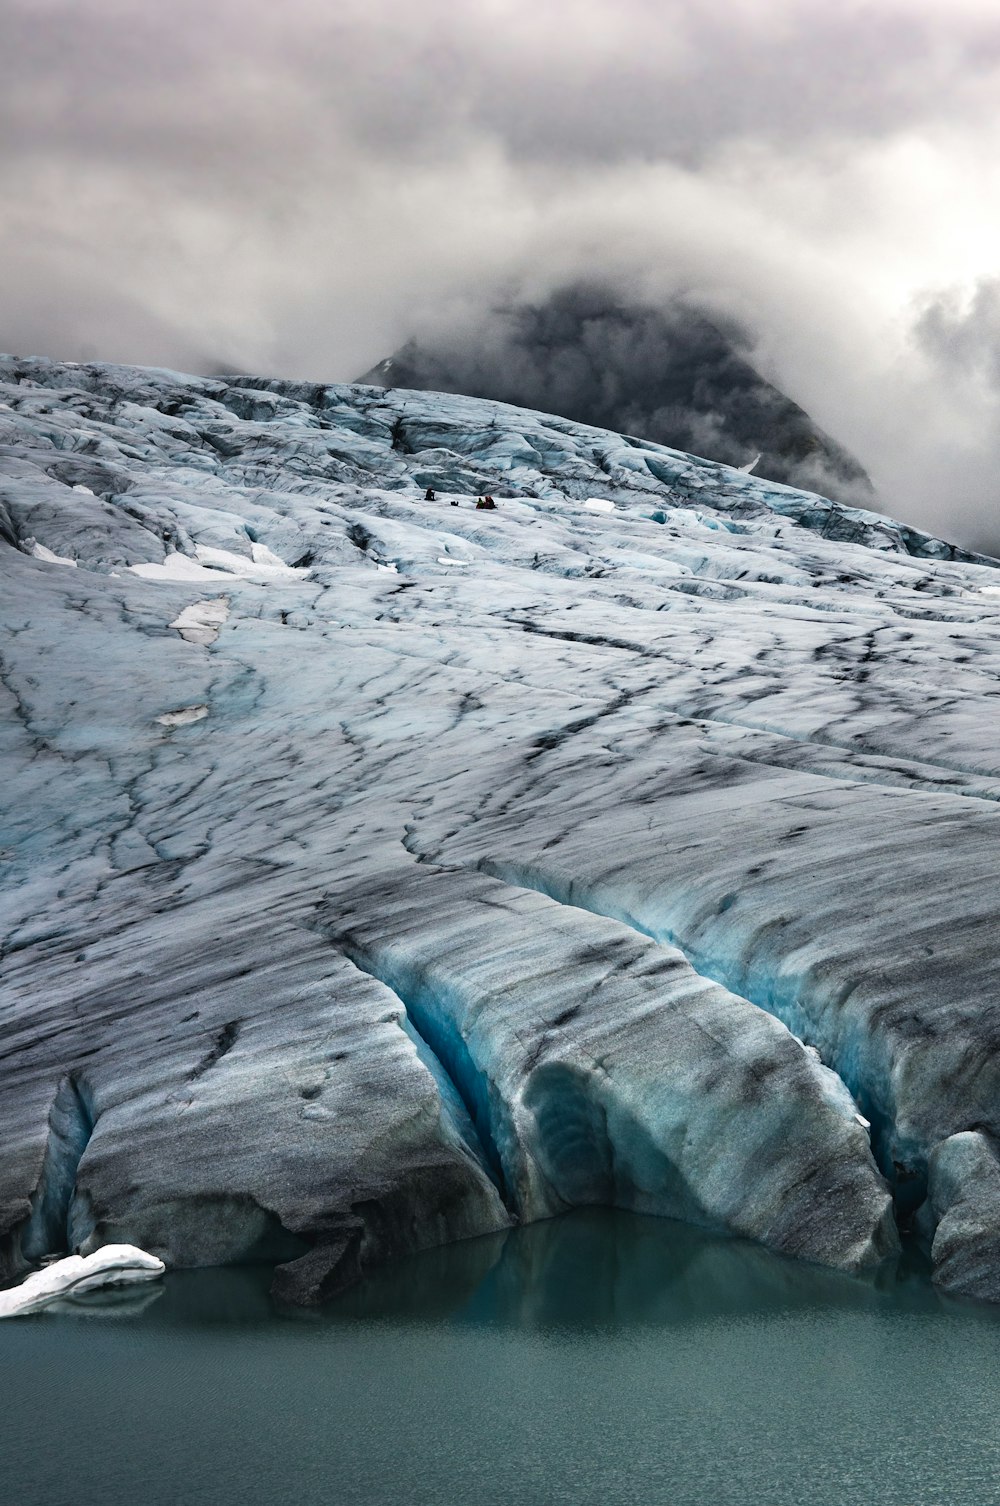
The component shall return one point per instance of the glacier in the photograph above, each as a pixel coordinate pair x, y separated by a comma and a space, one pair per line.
380, 871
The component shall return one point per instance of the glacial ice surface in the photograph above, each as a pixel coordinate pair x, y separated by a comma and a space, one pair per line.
377, 872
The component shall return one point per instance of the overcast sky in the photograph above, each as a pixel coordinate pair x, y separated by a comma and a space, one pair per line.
295, 187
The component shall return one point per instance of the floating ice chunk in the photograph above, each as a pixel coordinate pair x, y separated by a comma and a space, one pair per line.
114, 1265
599, 504
41, 553
183, 716
201, 621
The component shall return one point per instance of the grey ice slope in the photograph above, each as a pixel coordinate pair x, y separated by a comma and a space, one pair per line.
379, 871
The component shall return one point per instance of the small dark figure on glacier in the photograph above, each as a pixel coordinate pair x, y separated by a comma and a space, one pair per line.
429, 495
486, 503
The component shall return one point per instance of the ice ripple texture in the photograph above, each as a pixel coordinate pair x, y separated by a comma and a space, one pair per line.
379, 870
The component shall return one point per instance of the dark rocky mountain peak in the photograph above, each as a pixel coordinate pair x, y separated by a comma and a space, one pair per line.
669, 374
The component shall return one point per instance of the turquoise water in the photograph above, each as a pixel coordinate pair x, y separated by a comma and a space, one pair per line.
600, 1358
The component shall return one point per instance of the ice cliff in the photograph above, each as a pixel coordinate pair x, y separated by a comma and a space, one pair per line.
378, 871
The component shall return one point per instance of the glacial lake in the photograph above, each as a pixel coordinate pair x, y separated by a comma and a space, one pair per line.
600, 1358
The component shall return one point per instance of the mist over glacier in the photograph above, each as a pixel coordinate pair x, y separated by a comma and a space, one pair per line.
670, 374
234, 188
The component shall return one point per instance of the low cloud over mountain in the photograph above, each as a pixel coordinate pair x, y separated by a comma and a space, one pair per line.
668, 374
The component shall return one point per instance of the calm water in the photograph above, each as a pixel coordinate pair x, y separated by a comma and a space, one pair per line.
600, 1358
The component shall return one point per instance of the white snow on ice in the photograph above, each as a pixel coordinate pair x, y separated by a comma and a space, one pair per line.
200, 622
183, 717
41, 553
210, 563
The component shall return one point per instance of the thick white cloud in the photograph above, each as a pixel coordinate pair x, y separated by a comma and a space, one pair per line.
298, 187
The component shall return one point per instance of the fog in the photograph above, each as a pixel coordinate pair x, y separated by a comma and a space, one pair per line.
298, 189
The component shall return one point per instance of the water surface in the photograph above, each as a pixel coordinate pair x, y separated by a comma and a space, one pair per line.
600, 1358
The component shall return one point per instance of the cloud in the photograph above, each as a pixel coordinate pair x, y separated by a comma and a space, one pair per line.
963, 335
298, 188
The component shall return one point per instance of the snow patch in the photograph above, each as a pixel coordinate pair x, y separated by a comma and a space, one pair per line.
183, 717
200, 622
264, 566
41, 553
265, 559
176, 567
599, 504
